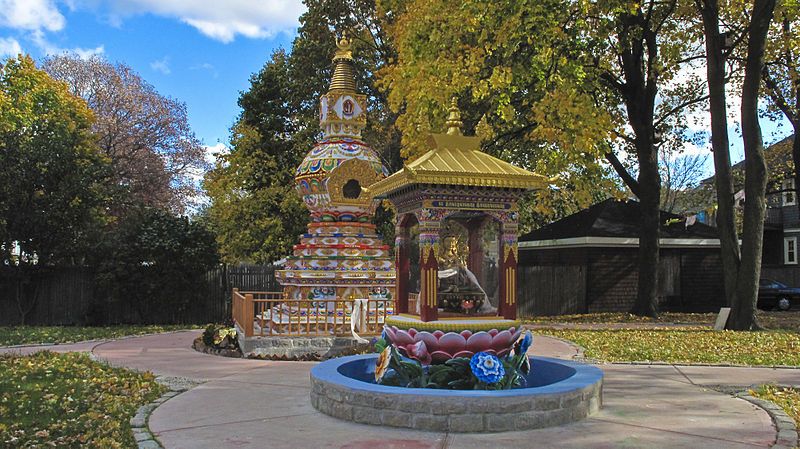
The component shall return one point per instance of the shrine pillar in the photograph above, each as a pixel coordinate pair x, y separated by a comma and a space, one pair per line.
507, 303
402, 262
428, 271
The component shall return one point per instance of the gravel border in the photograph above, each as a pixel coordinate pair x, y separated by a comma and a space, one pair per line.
785, 426
139, 423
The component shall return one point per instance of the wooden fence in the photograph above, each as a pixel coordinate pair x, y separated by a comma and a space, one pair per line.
70, 296
551, 290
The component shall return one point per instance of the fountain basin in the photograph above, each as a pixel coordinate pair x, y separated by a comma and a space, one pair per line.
557, 392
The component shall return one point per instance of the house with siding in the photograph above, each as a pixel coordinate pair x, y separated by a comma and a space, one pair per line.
780, 256
782, 220
588, 262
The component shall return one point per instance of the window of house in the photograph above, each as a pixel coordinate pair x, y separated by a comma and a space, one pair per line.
790, 250
788, 193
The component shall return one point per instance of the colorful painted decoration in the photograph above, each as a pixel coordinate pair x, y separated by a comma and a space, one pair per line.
341, 255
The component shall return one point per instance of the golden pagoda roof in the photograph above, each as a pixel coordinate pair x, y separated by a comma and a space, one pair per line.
457, 160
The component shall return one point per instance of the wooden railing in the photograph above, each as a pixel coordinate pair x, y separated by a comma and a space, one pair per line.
272, 314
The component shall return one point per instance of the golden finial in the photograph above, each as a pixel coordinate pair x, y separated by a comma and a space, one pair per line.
454, 119
344, 77
344, 48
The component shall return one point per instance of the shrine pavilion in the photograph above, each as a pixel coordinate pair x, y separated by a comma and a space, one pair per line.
456, 232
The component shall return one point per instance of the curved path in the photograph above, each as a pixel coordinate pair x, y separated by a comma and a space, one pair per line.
264, 404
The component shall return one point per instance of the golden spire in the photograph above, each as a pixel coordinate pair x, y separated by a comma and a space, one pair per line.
454, 119
344, 77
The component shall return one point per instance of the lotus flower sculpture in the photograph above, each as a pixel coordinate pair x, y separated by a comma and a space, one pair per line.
440, 346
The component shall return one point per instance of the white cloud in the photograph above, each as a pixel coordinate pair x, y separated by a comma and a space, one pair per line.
215, 151
222, 21
49, 48
31, 15
9, 46
207, 67
161, 65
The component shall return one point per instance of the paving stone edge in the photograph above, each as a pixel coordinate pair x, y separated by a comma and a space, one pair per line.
785, 426
139, 423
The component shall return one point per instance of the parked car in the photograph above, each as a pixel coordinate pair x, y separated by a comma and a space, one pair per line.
776, 295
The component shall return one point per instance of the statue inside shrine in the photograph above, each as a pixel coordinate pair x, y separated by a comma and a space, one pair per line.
459, 290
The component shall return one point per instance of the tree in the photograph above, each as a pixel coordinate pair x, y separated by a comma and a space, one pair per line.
681, 174
742, 267
156, 263
254, 209
717, 52
554, 86
147, 136
744, 307
781, 74
53, 188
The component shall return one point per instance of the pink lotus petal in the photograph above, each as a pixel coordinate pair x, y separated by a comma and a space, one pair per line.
502, 340
430, 341
452, 343
402, 338
493, 332
479, 341
466, 334
419, 352
467, 354
440, 357
438, 334
516, 333
412, 332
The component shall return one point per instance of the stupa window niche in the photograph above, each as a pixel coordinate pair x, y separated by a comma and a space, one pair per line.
352, 189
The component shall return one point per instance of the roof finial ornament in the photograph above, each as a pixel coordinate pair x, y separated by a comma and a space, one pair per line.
344, 48
344, 76
454, 122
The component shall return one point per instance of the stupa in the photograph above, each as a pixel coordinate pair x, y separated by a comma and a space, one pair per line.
341, 256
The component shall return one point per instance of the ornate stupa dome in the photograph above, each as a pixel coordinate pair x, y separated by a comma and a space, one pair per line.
341, 255
333, 177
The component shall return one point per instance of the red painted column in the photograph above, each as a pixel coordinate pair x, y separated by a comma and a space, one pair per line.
429, 280
508, 277
428, 270
402, 264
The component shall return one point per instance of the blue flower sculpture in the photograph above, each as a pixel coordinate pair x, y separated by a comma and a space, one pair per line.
487, 367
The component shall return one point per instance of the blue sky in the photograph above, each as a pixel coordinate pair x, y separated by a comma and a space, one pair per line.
199, 52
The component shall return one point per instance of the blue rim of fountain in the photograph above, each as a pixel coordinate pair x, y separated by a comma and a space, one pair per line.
584, 375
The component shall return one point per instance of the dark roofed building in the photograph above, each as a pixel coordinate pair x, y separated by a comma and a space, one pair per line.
779, 258
588, 262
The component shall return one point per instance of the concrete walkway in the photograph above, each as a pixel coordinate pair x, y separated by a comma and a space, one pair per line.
265, 404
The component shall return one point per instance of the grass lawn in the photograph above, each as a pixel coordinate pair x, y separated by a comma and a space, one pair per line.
21, 335
787, 398
685, 345
770, 320
69, 400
